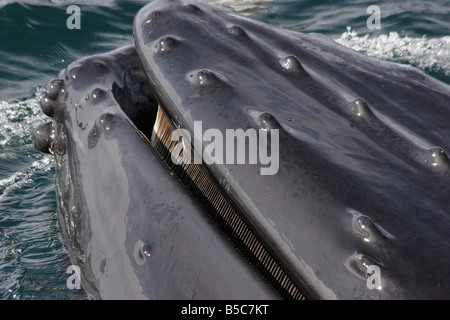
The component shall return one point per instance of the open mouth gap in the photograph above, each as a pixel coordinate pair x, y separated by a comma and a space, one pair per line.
199, 183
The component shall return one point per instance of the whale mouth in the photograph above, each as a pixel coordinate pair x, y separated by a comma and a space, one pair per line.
203, 187
136, 99
361, 186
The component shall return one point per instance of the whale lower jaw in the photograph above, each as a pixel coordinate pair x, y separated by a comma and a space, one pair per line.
357, 207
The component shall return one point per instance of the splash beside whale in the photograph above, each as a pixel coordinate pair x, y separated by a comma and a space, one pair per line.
363, 174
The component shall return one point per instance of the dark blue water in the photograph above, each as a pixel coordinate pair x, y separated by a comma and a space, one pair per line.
35, 44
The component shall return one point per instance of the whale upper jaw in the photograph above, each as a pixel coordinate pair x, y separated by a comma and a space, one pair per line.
362, 179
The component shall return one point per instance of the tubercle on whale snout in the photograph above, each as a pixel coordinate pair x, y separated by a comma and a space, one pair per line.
44, 136
432, 158
50, 137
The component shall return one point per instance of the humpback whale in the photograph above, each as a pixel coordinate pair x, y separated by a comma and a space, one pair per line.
358, 209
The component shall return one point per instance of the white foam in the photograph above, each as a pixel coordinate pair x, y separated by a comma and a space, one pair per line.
21, 178
427, 54
18, 120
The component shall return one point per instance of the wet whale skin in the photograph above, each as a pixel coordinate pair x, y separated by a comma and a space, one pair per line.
362, 180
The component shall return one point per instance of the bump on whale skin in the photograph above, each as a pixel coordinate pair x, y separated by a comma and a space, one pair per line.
363, 169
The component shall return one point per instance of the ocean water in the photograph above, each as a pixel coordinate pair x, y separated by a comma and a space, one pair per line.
35, 44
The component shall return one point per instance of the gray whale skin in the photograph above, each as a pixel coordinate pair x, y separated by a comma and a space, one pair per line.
359, 207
